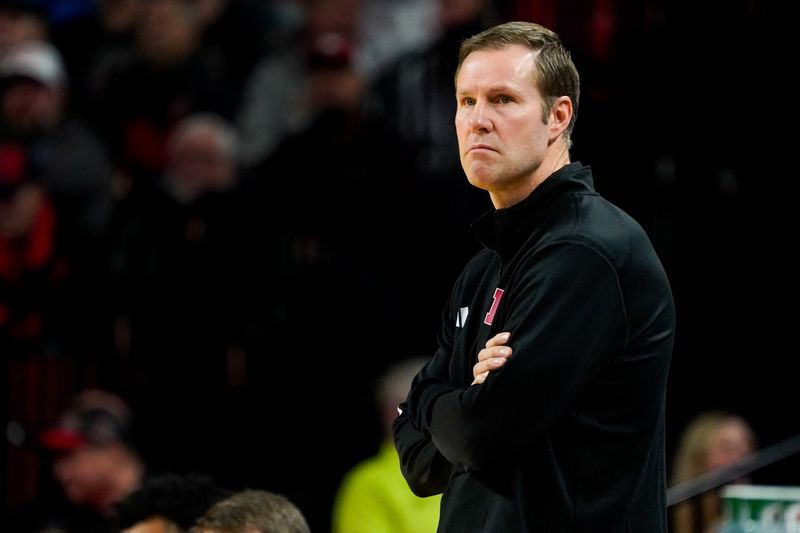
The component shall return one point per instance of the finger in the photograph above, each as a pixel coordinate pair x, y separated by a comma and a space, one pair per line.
480, 378
494, 351
497, 340
487, 365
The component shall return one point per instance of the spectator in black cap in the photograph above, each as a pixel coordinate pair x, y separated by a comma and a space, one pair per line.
95, 464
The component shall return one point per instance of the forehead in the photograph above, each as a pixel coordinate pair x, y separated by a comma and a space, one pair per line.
511, 65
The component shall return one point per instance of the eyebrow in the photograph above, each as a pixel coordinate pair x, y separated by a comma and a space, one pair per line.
491, 94
492, 90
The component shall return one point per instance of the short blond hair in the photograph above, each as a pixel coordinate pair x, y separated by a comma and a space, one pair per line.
253, 511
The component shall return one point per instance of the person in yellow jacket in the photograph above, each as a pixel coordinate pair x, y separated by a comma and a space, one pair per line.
373, 496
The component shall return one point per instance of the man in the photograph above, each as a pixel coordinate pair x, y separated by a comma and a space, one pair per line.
201, 158
60, 151
543, 407
96, 463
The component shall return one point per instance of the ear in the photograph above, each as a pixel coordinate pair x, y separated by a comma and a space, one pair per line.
560, 116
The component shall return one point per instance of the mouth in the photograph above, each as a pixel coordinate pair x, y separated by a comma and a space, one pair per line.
481, 148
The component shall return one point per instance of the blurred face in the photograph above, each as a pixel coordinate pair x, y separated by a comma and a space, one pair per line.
29, 106
166, 34
502, 138
199, 166
18, 212
16, 28
85, 474
119, 16
731, 442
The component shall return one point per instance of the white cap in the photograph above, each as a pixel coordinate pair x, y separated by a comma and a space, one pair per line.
37, 60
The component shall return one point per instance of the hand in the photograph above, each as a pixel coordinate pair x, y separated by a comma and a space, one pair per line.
492, 357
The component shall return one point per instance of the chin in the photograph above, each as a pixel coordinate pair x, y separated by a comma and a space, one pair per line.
480, 180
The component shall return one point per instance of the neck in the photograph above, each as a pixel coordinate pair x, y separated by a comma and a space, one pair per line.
555, 160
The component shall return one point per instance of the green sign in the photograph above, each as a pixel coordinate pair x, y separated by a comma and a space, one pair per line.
760, 509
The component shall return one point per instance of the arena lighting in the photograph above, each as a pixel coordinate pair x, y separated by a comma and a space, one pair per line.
712, 479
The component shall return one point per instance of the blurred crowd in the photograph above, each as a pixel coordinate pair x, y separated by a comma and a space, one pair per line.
236, 213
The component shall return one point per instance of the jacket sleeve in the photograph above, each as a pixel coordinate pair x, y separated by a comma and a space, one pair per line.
424, 467
566, 317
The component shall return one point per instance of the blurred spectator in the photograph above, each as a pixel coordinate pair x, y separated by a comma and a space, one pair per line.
307, 179
62, 154
388, 29
203, 158
96, 463
305, 176
43, 148
45, 306
316, 74
711, 440
186, 277
100, 33
138, 98
236, 35
253, 511
33, 274
374, 496
33, 316
167, 503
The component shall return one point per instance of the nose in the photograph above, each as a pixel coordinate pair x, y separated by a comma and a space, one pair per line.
480, 119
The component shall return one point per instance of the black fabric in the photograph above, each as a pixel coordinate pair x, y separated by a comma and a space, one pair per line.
569, 434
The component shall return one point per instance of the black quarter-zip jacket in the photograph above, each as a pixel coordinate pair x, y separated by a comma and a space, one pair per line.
568, 435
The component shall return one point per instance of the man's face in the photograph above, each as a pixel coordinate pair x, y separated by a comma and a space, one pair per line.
29, 107
84, 474
502, 138
197, 166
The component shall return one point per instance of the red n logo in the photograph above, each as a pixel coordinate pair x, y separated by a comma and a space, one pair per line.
498, 294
